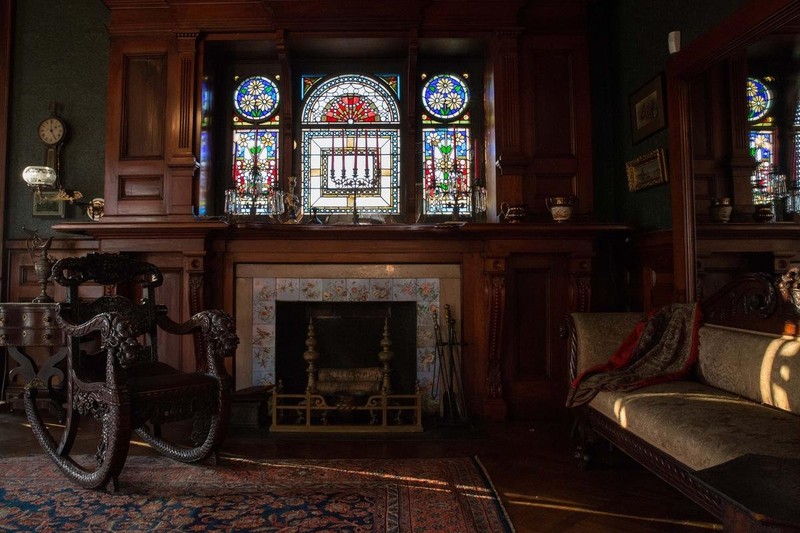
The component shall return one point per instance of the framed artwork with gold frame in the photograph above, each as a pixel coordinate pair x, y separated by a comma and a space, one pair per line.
647, 170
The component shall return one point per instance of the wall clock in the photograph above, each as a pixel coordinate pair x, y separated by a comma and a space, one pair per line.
53, 133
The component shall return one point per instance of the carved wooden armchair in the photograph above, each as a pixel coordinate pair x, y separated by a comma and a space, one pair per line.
123, 385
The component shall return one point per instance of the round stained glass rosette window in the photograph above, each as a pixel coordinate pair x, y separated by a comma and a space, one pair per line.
256, 99
445, 96
759, 99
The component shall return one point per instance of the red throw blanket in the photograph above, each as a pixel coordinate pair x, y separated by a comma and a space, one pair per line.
663, 347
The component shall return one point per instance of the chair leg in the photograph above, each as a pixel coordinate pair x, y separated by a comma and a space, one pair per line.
112, 448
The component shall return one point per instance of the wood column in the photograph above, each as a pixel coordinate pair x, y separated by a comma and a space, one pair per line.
181, 159
495, 407
504, 55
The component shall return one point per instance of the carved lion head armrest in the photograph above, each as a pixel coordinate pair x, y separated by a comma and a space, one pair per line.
789, 287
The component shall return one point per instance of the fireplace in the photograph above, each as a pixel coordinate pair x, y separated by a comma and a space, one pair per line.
264, 290
348, 335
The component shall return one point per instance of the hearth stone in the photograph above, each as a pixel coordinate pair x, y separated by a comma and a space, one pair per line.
250, 407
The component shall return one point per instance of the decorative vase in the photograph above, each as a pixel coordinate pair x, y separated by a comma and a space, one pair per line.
560, 207
720, 209
763, 213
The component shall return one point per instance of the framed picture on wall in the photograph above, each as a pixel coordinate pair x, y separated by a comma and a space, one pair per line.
647, 109
45, 205
647, 170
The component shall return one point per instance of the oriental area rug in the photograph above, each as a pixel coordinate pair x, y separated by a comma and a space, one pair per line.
350, 495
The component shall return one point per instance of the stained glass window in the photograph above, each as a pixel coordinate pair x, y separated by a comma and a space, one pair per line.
759, 99
351, 144
797, 141
761, 148
793, 202
448, 152
255, 146
762, 138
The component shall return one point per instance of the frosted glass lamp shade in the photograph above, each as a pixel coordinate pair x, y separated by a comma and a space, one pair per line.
39, 176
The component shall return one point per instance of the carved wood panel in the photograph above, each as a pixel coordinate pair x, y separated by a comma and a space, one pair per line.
534, 356
555, 85
145, 86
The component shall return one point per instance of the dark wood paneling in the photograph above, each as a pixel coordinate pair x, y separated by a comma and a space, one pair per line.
141, 187
553, 86
534, 357
657, 286
145, 86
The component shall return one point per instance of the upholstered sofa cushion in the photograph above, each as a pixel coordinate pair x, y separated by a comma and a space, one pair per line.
701, 426
599, 335
764, 368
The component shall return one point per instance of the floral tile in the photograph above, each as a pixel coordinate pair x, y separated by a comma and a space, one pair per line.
425, 312
310, 290
287, 289
426, 359
264, 312
264, 357
428, 289
263, 378
380, 290
263, 335
404, 290
358, 290
263, 289
425, 380
334, 290
426, 336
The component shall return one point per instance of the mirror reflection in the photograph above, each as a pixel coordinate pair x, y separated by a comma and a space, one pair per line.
745, 146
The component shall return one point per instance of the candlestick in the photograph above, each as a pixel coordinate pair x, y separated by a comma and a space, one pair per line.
355, 154
333, 155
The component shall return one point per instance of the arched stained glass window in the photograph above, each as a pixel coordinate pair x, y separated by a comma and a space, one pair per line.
448, 152
255, 123
351, 145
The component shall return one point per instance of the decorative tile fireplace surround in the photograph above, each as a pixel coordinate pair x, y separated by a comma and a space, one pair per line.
260, 286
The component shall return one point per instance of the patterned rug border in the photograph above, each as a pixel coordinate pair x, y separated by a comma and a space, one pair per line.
156, 494
501, 508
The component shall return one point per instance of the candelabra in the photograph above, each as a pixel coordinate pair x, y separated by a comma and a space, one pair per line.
452, 191
773, 193
257, 199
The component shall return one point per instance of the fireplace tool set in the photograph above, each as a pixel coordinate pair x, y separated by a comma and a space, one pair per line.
448, 360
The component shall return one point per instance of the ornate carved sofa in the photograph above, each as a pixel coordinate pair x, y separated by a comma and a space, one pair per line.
728, 436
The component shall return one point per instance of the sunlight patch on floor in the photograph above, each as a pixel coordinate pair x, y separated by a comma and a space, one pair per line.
574, 509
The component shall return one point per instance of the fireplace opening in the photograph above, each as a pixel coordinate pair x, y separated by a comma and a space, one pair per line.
348, 335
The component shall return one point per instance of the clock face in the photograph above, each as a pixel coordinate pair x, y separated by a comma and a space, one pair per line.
52, 130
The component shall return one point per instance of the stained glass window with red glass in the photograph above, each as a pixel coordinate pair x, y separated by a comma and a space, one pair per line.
351, 144
255, 161
448, 150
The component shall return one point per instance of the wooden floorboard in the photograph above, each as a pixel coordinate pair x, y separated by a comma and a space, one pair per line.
530, 464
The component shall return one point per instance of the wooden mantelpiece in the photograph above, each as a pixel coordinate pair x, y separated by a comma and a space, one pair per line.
724, 251
518, 281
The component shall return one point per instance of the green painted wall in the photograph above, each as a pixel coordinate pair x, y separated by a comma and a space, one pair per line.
60, 54
630, 52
